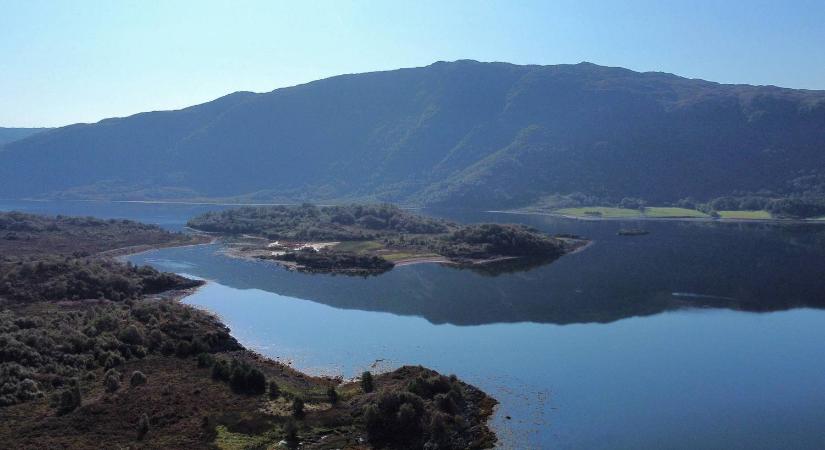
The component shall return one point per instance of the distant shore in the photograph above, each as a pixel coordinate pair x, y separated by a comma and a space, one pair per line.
656, 219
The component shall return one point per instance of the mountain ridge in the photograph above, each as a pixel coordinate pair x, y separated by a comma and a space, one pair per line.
451, 133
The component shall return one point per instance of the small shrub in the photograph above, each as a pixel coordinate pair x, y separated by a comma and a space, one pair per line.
291, 432
143, 426
274, 390
131, 335
69, 400
367, 383
247, 379
298, 408
332, 395
112, 380
205, 360
137, 378
394, 417
183, 349
167, 348
430, 386
221, 371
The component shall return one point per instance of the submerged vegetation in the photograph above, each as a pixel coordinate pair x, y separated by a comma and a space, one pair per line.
373, 238
96, 353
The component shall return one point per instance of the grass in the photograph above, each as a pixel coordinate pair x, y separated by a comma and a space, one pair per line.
624, 213
398, 256
227, 440
656, 211
600, 211
745, 215
358, 246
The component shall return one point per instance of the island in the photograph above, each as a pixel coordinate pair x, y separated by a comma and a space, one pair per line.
97, 353
373, 238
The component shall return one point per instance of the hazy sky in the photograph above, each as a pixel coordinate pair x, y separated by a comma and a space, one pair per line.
63, 62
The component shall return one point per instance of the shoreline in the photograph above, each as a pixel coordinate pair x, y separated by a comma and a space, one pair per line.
491, 408
656, 219
179, 295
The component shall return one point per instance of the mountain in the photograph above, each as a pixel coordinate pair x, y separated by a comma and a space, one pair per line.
15, 134
453, 133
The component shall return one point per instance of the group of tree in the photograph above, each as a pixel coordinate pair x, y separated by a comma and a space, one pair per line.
310, 222
48, 351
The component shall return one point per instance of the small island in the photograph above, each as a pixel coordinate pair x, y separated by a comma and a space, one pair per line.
369, 239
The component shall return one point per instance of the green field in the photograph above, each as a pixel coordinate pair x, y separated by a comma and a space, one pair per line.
656, 211
600, 211
745, 215
358, 246
399, 256
623, 213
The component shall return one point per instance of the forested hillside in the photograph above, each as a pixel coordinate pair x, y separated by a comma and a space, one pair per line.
453, 133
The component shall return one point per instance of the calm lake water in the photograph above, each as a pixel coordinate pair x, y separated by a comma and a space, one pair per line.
698, 335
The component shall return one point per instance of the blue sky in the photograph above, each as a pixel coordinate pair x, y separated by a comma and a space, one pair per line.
63, 62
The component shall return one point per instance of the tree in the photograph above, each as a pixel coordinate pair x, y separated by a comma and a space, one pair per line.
367, 383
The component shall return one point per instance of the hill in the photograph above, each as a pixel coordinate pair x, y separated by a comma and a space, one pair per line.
15, 134
453, 133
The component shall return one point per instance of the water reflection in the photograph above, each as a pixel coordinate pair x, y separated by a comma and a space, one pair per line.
752, 267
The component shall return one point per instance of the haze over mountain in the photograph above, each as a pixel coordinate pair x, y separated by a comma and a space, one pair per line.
15, 134
452, 133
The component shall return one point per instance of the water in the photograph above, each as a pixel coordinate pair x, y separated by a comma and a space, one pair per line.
698, 335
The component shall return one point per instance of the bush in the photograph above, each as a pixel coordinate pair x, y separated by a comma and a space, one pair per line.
143, 426
332, 395
291, 432
274, 390
221, 371
205, 360
298, 408
137, 378
246, 379
167, 348
430, 386
112, 380
183, 349
367, 383
131, 335
69, 400
394, 417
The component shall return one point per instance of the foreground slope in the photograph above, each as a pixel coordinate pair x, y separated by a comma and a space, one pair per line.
459, 133
95, 353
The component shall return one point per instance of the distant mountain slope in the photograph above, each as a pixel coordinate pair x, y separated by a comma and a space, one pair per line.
15, 134
459, 133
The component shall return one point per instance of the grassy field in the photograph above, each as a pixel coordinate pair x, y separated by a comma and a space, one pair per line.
600, 211
656, 211
623, 213
358, 246
745, 215
399, 256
